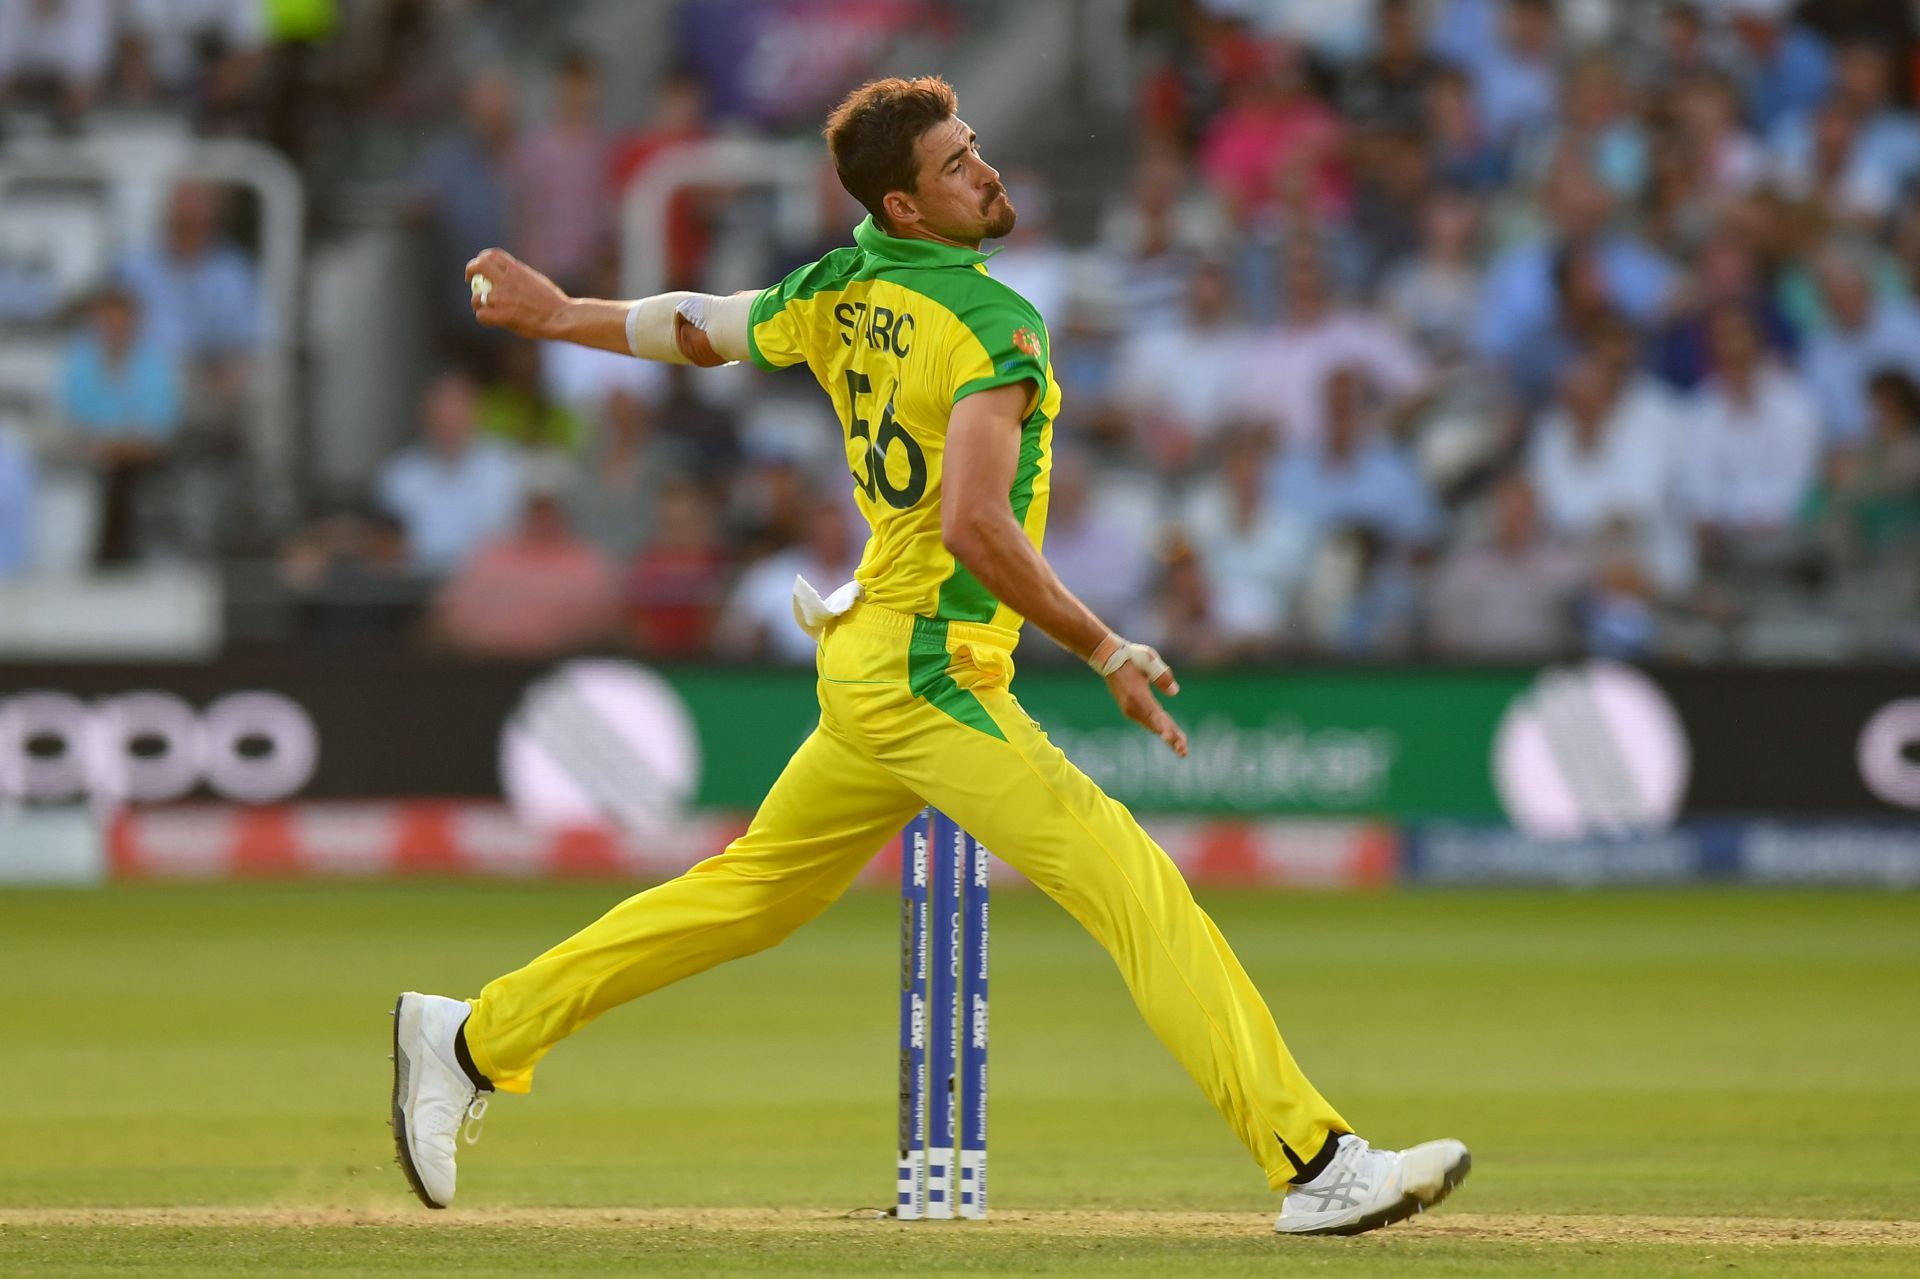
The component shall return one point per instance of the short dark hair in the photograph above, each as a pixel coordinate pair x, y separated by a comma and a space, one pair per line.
871, 135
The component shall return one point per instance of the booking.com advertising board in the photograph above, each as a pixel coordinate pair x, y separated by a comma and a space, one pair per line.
1586, 773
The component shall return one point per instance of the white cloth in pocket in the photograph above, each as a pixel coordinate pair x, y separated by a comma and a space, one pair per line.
812, 612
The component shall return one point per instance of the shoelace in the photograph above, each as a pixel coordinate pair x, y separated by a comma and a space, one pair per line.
475, 1116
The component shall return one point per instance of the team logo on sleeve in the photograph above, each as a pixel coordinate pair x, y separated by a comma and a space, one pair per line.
1027, 342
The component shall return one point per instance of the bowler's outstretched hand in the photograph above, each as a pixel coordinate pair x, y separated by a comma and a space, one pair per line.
521, 300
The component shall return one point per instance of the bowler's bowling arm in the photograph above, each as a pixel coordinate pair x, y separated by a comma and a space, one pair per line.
672, 328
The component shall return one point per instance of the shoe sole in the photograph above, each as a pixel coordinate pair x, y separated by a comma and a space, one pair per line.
402, 1148
1409, 1205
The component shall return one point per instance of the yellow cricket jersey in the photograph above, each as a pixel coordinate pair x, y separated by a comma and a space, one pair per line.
897, 331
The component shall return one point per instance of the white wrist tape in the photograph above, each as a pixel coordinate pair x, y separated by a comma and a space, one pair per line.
653, 334
725, 321
1127, 651
650, 328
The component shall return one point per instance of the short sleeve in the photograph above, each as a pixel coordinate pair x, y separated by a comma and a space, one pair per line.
775, 334
773, 339
1009, 345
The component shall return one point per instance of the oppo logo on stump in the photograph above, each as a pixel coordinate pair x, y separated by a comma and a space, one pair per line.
1595, 749
148, 747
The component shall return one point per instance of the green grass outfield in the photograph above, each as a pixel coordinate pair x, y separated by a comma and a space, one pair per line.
1652, 1083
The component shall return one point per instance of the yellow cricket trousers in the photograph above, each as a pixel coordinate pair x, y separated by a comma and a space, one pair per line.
915, 712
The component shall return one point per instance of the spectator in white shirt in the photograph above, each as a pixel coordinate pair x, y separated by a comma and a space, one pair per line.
452, 492
1253, 553
1750, 444
1179, 385
1864, 335
758, 618
54, 50
1592, 461
1602, 461
1293, 364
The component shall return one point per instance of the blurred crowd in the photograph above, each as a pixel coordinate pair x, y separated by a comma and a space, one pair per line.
561, 498
125, 439
149, 389
209, 57
1474, 329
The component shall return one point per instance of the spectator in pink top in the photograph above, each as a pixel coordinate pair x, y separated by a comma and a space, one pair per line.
563, 198
538, 592
1276, 144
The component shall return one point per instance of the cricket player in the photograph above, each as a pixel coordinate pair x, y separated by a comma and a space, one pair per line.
940, 377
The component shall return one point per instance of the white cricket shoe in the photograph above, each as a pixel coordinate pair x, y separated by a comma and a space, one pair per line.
432, 1097
1363, 1189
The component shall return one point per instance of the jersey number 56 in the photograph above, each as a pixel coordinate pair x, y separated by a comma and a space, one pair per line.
876, 482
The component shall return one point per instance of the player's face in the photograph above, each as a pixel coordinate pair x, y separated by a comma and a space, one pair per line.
958, 195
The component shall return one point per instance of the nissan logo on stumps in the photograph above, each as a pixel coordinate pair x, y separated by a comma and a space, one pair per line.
146, 746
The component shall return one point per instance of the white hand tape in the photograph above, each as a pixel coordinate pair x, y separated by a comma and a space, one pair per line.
1127, 651
725, 321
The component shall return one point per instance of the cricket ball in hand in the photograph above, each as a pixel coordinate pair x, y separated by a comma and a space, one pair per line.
482, 288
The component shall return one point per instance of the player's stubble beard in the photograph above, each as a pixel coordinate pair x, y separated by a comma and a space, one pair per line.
999, 214
996, 218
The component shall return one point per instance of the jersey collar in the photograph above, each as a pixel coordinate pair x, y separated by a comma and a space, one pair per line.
893, 248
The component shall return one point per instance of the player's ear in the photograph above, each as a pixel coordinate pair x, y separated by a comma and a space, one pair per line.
901, 209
